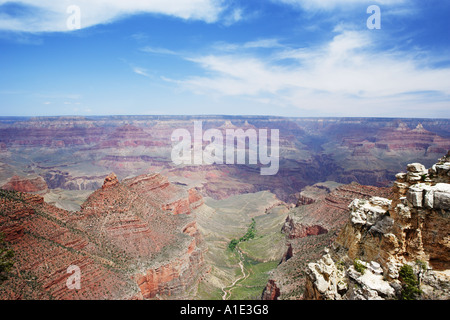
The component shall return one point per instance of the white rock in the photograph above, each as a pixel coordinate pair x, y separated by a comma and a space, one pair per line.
415, 196
381, 202
416, 168
428, 198
375, 267
403, 211
376, 282
441, 196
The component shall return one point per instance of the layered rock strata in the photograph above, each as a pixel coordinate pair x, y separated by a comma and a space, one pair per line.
385, 237
129, 241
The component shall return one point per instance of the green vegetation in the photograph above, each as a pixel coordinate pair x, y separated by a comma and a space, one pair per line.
10, 195
6, 258
233, 243
411, 290
250, 234
251, 287
359, 266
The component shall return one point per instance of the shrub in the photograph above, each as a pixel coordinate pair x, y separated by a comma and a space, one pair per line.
250, 234
233, 243
411, 290
359, 266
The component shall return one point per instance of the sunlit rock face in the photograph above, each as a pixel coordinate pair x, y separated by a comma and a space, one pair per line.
385, 235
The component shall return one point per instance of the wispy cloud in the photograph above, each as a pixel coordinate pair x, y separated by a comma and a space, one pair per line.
51, 16
333, 4
157, 50
271, 43
344, 76
234, 16
141, 71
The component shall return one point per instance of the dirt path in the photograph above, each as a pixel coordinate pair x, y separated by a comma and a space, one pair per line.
227, 292
244, 276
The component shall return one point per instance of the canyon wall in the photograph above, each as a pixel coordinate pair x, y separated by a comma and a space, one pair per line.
395, 248
309, 229
77, 153
130, 240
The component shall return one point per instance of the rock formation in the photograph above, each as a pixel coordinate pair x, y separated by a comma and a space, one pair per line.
135, 239
24, 184
309, 229
394, 248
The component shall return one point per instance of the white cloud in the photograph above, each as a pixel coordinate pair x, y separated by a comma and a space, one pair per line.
333, 4
257, 44
233, 17
156, 50
52, 16
141, 71
345, 76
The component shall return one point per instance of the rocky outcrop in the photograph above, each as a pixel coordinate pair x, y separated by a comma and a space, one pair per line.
316, 192
309, 229
386, 237
110, 181
271, 291
298, 230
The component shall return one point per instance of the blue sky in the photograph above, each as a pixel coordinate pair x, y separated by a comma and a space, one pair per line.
240, 57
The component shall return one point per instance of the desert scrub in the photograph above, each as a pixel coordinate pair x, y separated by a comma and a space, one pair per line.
6, 258
361, 268
411, 290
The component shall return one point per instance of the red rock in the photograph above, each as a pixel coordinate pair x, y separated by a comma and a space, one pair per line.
22, 184
119, 226
110, 181
271, 291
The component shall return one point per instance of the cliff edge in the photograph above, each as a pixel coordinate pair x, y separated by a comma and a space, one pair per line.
395, 248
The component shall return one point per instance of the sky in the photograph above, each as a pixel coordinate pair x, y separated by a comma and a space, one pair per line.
298, 58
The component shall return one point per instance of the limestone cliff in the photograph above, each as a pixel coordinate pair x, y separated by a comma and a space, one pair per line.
395, 248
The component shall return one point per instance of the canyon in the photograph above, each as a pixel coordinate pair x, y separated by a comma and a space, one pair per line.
134, 239
77, 153
102, 193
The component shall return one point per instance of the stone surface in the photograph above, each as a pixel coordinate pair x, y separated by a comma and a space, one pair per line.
411, 229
